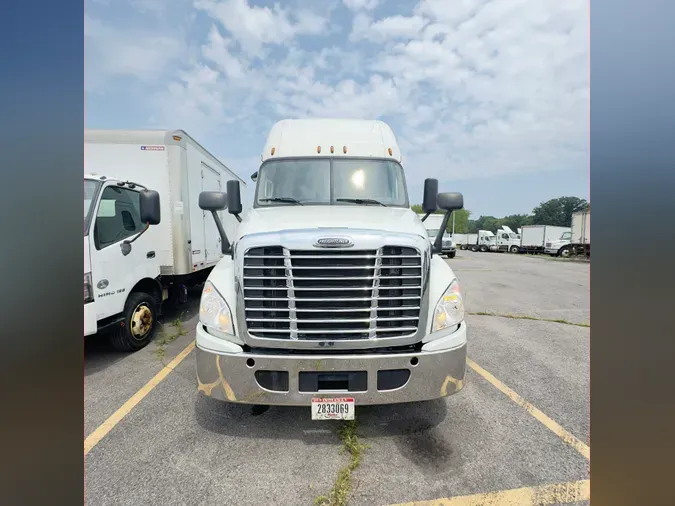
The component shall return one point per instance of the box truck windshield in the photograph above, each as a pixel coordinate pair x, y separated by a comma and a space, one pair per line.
328, 181
91, 188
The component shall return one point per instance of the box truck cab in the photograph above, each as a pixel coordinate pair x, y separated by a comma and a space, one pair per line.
558, 247
131, 268
331, 294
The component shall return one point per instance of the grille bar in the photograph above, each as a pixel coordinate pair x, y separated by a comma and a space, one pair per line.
310, 294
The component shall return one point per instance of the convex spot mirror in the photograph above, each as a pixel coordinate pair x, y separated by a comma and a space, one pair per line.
450, 201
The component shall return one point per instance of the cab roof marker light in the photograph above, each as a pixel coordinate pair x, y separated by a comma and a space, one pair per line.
177, 137
318, 149
332, 149
344, 149
390, 152
272, 152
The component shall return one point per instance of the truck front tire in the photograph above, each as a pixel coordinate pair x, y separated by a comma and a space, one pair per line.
139, 324
564, 252
451, 255
514, 249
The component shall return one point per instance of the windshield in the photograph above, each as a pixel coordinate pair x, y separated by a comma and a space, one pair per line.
90, 191
326, 181
432, 233
513, 236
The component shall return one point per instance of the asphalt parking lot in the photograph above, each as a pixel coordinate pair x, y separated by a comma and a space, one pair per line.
518, 433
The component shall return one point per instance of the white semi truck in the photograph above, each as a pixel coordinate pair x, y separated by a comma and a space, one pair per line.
483, 241
130, 267
507, 240
432, 223
576, 241
330, 294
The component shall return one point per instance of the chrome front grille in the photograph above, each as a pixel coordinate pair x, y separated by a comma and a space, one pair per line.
332, 295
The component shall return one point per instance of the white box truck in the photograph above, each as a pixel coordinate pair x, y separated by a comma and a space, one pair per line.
331, 295
460, 240
433, 223
130, 269
576, 240
534, 237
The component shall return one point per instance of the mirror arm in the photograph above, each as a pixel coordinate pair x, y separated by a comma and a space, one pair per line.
425, 216
126, 245
238, 218
225, 246
438, 243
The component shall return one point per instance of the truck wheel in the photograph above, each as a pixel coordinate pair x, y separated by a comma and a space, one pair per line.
452, 255
474, 248
484, 248
564, 252
140, 323
514, 249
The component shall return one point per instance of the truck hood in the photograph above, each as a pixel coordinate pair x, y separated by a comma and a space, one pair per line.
275, 219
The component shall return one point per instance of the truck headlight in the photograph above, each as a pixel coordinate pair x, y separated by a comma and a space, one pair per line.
214, 312
450, 309
88, 289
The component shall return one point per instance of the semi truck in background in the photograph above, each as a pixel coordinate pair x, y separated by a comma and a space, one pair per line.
330, 294
145, 237
432, 223
507, 240
576, 241
534, 237
483, 241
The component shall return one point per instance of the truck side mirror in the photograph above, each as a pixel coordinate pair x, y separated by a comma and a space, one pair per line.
149, 207
430, 195
254, 176
214, 202
234, 199
449, 202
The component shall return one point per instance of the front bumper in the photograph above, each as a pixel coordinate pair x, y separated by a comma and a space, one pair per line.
228, 373
448, 249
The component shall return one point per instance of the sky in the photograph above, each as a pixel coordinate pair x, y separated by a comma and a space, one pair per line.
491, 97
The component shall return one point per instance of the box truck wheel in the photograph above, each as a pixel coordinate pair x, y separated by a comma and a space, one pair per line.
140, 323
564, 252
514, 249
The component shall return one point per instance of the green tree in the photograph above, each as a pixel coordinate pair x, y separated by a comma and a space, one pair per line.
461, 218
516, 221
558, 212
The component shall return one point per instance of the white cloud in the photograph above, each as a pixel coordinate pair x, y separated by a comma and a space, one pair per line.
254, 27
113, 52
356, 5
471, 88
386, 29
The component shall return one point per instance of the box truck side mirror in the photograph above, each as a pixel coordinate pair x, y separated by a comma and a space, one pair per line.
148, 201
149, 207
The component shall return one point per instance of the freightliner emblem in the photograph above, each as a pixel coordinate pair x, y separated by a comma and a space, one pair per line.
334, 242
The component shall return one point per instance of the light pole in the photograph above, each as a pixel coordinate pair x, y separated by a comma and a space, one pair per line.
453, 224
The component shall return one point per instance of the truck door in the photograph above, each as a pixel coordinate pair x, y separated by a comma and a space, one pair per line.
114, 274
212, 241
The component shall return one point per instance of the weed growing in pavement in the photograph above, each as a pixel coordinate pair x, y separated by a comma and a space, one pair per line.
339, 494
524, 317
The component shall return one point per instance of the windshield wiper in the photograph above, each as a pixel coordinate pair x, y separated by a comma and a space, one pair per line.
362, 201
290, 200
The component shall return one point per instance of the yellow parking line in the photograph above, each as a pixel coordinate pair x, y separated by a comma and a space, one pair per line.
559, 493
553, 426
101, 431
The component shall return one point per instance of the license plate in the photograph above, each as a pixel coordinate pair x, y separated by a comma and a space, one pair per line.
337, 408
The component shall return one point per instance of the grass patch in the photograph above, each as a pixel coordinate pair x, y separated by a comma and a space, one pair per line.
339, 494
163, 338
522, 317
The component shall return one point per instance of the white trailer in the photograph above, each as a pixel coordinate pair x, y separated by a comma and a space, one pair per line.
130, 268
460, 240
580, 234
